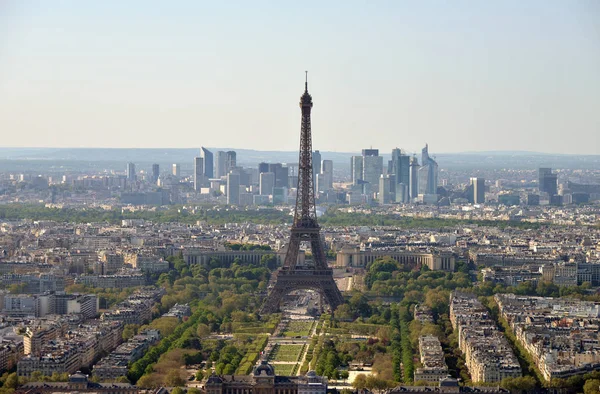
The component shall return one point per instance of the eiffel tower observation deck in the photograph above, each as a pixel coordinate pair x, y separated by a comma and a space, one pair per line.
318, 277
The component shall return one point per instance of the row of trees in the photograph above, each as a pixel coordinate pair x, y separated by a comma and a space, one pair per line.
336, 217
176, 213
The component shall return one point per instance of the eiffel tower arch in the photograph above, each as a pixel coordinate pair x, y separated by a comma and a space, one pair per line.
319, 276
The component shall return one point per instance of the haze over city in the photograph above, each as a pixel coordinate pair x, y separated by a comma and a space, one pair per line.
182, 212
462, 76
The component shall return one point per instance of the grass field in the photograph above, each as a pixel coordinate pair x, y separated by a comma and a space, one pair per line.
298, 328
284, 369
286, 353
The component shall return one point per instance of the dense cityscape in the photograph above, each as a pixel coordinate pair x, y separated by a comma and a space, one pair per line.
179, 216
417, 278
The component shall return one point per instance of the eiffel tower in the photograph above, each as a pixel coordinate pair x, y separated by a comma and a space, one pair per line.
291, 277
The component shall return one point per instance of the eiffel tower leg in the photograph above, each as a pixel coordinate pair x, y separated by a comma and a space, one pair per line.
321, 305
318, 252
273, 300
333, 295
291, 257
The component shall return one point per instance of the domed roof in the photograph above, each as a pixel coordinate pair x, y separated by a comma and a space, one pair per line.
448, 382
214, 379
264, 369
78, 377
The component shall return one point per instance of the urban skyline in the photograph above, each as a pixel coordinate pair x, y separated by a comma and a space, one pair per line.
358, 260
135, 280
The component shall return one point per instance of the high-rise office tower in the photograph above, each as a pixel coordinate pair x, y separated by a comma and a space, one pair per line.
221, 164
316, 159
131, 175
384, 195
327, 175
281, 174
400, 168
245, 176
176, 170
548, 182
263, 167
401, 193
233, 189
477, 190
198, 173
413, 183
428, 173
266, 183
208, 162
356, 169
372, 169
155, 173
230, 160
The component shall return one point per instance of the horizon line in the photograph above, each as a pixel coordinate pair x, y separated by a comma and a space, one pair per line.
294, 151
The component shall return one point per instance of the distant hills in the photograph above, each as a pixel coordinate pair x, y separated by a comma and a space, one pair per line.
116, 158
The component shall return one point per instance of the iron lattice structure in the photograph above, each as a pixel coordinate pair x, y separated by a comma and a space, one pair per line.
304, 229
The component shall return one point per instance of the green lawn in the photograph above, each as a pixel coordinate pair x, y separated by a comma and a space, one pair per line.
286, 353
298, 328
284, 369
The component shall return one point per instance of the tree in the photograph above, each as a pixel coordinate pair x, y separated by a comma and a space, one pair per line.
12, 381
591, 386
37, 376
129, 331
344, 313
375, 383
359, 304
344, 374
177, 390
269, 261
524, 383
202, 330
122, 379
166, 325
360, 381
174, 379
193, 390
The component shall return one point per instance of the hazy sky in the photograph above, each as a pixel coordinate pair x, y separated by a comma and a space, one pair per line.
460, 75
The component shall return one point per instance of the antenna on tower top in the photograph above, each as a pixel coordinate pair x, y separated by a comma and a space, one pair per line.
306, 81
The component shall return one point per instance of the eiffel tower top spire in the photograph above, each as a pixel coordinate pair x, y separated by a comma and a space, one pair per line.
306, 82
305, 215
306, 99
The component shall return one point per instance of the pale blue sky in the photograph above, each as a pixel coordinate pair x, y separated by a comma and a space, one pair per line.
460, 75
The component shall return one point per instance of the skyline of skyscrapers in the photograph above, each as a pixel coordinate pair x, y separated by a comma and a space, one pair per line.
401, 181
